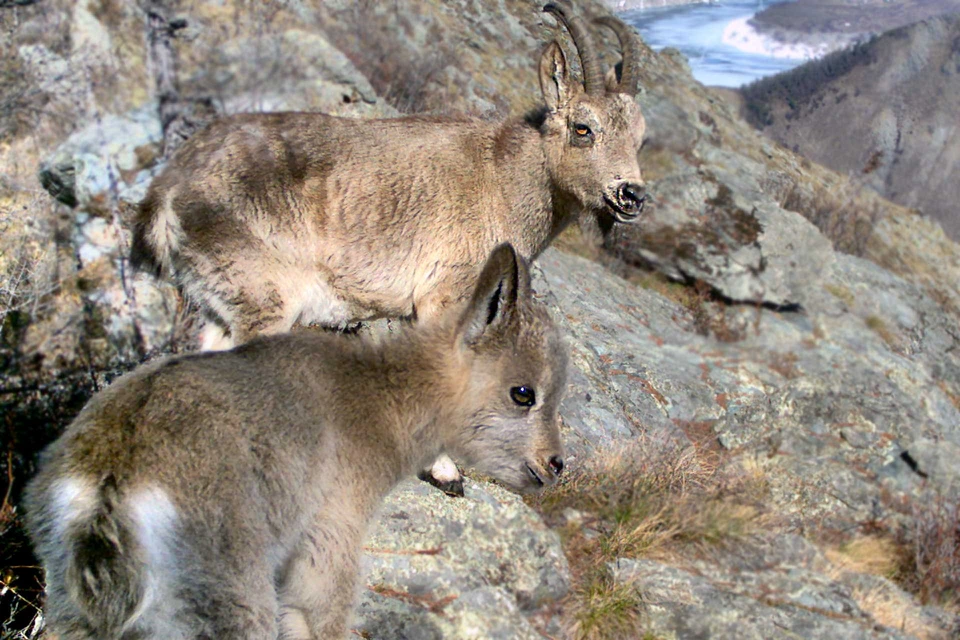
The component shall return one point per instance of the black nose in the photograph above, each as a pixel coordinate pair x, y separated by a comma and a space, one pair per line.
632, 197
556, 463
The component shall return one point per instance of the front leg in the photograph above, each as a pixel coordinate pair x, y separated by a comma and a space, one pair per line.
430, 304
318, 588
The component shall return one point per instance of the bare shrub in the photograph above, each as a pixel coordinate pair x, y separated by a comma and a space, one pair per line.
845, 212
931, 562
400, 74
22, 102
25, 285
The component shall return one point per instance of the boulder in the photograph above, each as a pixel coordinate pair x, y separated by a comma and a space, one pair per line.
436, 567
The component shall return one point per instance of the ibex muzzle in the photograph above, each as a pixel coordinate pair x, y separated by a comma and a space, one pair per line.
227, 495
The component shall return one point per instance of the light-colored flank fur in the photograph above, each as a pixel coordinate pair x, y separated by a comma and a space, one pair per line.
226, 494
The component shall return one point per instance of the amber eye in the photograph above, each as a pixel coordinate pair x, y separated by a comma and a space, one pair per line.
523, 396
581, 129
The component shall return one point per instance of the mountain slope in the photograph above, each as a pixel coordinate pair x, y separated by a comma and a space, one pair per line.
884, 111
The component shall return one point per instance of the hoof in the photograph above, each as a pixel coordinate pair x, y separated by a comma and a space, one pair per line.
453, 488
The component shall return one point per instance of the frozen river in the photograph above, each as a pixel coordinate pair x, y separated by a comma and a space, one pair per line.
722, 48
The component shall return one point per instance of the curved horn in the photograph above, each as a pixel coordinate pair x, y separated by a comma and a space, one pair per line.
592, 75
630, 72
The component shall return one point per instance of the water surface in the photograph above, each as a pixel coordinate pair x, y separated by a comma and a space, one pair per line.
697, 30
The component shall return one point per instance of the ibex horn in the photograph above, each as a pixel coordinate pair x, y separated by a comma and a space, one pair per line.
630, 48
592, 75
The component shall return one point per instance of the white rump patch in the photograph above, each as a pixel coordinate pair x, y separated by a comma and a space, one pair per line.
214, 338
156, 518
166, 232
319, 302
70, 498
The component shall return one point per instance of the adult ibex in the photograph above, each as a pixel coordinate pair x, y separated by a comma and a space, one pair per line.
267, 219
226, 495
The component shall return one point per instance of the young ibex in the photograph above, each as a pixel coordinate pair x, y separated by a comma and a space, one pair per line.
225, 495
266, 219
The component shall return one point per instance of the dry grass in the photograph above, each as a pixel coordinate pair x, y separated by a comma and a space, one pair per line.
923, 559
874, 555
680, 293
890, 608
653, 500
708, 312
880, 556
604, 609
879, 327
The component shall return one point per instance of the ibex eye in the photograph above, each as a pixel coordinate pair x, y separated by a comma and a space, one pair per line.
523, 396
581, 129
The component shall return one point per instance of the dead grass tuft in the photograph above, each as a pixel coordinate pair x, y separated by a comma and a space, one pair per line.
842, 293
882, 556
708, 312
893, 609
923, 559
650, 499
874, 555
605, 609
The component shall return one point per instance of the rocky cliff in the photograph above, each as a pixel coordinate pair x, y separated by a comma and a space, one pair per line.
763, 410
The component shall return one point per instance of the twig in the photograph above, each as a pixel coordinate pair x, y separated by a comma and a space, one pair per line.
406, 552
6, 497
8, 589
431, 605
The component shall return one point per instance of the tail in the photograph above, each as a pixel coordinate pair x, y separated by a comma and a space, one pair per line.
156, 235
106, 571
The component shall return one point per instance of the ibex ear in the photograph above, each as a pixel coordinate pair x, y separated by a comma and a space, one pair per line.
555, 77
495, 296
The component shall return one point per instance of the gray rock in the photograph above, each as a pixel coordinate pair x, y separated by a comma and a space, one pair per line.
775, 602
102, 160
786, 386
716, 225
437, 567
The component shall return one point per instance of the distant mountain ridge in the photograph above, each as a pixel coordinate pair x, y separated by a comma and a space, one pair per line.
885, 111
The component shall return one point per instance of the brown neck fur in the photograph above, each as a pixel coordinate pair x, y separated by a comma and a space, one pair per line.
526, 183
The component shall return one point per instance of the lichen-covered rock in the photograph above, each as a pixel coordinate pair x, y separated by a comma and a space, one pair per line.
466, 568
99, 161
774, 586
777, 601
485, 613
746, 247
828, 395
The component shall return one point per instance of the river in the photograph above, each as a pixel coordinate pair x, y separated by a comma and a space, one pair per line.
722, 48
